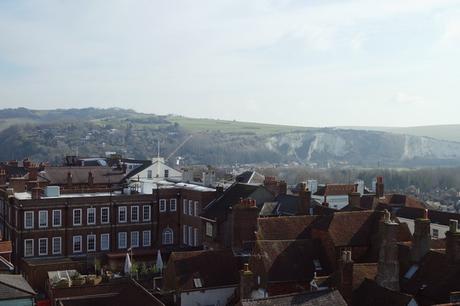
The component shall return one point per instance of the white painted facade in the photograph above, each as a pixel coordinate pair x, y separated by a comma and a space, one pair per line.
207, 297
157, 171
437, 231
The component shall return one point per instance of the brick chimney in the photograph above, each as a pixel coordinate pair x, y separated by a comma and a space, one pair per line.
69, 179
243, 222
388, 265
247, 283
422, 237
304, 200
90, 179
18, 184
453, 242
379, 187
2, 177
36, 193
345, 276
354, 199
33, 172
26, 163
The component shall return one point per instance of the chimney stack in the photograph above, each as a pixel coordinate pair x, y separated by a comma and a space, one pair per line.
69, 179
422, 237
2, 177
18, 184
388, 265
90, 179
36, 193
33, 172
379, 187
246, 282
305, 200
345, 276
354, 199
453, 242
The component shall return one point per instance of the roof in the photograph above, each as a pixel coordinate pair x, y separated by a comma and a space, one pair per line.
145, 165
250, 177
268, 209
287, 204
14, 171
335, 190
285, 228
287, 260
350, 228
402, 200
5, 246
435, 216
315, 298
218, 207
212, 268
370, 293
101, 175
434, 279
14, 287
361, 271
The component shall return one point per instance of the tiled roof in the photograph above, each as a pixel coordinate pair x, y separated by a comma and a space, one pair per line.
335, 190
402, 200
315, 298
213, 268
288, 260
361, 271
435, 216
350, 228
285, 228
14, 287
370, 293
434, 279
5, 246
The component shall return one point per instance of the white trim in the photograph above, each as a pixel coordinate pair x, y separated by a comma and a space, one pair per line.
167, 233
135, 233
120, 209
149, 213
125, 245
60, 246
87, 243
93, 209
25, 219
162, 203
74, 238
149, 240
135, 207
40, 212
105, 248
39, 247
73, 216
108, 215
25, 248
195, 208
60, 217
184, 206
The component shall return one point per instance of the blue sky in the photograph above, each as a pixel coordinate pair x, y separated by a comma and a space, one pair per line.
310, 63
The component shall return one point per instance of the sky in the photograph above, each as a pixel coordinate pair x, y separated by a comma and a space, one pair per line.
301, 62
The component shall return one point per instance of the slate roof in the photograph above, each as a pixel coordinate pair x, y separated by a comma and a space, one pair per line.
250, 177
287, 204
101, 175
268, 209
218, 207
434, 279
287, 260
285, 228
435, 216
402, 200
315, 298
14, 287
12, 171
370, 293
334, 190
213, 268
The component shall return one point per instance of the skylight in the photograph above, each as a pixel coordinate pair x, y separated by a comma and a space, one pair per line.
411, 272
197, 283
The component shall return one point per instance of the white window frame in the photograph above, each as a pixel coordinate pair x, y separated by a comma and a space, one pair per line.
31, 213
40, 240
54, 212
53, 250
88, 249
73, 216
149, 174
135, 208
31, 254
103, 246
125, 245
107, 209
190, 236
149, 234
190, 207
184, 206
120, 209
165, 234
162, 205
93, 211
195, 237
209, 229
74, 239
40, 214
134, 234
195, 208
184, 234
149, 213
172, 204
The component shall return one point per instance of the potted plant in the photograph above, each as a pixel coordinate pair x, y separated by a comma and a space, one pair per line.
94, 279
78, 279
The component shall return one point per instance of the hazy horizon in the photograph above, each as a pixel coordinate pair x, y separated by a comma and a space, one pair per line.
300, 63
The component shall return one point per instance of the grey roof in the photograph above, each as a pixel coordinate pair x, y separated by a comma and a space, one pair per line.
14, 287
315, 298
268, 209
250, 177
101, 175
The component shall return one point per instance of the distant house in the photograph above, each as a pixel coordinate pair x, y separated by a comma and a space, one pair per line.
15, 291
201, 277
334, 195
155, 171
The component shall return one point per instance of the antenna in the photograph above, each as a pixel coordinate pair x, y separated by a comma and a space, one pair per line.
158, 151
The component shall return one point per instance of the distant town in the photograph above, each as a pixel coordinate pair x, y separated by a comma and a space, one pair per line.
116, 231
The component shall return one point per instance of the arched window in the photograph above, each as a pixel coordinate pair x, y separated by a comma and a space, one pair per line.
167, 236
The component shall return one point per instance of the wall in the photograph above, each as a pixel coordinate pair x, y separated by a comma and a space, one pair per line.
207, 297
442, 229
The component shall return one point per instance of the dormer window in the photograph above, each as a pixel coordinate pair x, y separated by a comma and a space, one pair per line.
317, 265
197, 282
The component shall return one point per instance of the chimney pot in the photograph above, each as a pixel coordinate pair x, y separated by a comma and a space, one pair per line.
453, 226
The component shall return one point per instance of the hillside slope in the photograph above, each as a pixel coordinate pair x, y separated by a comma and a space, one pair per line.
49, 135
